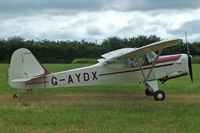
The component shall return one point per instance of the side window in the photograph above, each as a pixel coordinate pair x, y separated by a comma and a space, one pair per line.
117, 64
128, 62
133, 62
152, 56
143, 60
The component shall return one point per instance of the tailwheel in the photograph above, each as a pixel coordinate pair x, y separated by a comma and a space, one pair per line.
159, 95
15, 95
148, 93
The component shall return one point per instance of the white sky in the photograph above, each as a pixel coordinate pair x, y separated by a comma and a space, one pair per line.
93, 20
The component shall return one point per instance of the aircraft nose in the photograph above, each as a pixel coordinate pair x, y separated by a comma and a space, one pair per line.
182, 59
185, 58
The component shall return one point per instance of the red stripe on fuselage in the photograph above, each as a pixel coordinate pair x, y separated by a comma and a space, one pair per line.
168, 58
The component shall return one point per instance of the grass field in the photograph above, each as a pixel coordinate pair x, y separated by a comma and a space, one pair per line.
103, 109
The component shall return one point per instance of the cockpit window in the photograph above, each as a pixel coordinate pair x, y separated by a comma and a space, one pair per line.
132, 62
117, 64
145, 60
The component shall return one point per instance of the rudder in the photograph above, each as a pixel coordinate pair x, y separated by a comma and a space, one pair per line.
24, 67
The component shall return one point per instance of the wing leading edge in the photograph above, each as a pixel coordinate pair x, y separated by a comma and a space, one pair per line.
128, 52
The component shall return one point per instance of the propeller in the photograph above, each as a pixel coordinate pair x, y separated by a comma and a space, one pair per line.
189, 59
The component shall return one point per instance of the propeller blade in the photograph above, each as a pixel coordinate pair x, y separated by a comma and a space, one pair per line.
190, 67
189, 59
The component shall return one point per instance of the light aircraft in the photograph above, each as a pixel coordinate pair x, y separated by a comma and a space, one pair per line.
119, 66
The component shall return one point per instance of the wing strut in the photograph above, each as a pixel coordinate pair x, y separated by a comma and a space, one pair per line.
153, 65
139, 63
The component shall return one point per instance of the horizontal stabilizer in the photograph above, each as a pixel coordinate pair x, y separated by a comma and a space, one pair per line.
21, 80
28, 79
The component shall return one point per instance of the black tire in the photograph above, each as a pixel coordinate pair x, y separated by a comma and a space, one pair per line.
159, 95
148, 93
15, 95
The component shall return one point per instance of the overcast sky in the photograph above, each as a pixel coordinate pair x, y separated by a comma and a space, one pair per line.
93, 20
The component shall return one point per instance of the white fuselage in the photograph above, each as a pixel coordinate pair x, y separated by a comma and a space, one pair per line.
166, 66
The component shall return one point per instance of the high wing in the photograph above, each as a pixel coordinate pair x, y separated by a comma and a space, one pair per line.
136, 52
129, 52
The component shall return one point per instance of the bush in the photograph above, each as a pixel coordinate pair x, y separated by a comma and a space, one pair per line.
84, 61
196, 60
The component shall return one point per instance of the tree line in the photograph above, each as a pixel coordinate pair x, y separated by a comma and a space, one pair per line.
66, 51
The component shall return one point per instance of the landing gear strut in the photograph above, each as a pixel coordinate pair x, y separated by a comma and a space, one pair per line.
148, 93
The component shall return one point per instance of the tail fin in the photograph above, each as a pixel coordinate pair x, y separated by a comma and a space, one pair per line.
24, 67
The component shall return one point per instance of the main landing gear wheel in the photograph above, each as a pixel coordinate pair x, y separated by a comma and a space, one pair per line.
159, 95
148, 93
